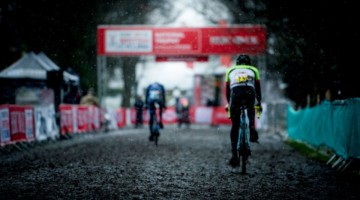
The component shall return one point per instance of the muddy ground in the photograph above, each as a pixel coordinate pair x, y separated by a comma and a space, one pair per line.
187, 164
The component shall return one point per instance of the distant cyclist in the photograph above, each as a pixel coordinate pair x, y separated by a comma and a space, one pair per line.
155, 94
242, 83
182, 111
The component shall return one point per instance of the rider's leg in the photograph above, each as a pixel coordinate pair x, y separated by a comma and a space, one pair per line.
160, 115
249, 99
234, 134
137, 123
253, 133
251, 116
152, 111
141, 120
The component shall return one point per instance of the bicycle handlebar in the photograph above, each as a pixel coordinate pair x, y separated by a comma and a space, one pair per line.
258, 111
257, 108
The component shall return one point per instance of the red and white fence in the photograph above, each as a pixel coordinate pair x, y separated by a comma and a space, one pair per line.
16, 124
29, 123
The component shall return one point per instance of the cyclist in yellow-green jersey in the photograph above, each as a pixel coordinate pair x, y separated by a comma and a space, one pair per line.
242, 83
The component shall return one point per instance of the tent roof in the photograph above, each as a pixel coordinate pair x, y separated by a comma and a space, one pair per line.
53, 66
34, 66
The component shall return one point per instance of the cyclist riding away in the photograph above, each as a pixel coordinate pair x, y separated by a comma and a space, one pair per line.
155, 94
242, 83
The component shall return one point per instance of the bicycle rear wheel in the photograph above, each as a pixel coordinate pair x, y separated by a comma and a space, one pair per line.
243, 153
155, 131
156, 137
244, 159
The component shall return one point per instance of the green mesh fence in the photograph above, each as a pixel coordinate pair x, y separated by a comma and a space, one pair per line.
333, 124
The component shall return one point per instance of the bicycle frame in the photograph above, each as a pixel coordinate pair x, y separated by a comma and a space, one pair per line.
243, 139
243, 144
155, 125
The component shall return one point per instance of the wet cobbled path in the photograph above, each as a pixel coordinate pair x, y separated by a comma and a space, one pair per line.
187, 164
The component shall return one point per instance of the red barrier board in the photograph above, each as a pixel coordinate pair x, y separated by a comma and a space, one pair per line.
234, 40
145, 40
4, 125
94, 118
68, 116
79, 118
220, 116
82, 117
121, 117
22, 123
182, 58
169, 115
19, 122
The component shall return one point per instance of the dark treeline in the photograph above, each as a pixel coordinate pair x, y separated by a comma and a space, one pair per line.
316, 52
312, 44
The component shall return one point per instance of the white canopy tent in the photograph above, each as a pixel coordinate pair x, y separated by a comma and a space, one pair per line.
34, 66
26, 80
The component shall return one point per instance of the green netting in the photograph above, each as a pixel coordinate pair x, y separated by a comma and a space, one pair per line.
333, 124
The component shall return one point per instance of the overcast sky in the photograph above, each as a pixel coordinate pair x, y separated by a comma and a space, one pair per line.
178, 74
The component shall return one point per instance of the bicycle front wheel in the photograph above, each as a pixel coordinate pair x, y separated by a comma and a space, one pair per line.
156, 134
244, 159
243, 153
156, 137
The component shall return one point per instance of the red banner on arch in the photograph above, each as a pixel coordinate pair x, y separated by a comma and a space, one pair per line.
167, 41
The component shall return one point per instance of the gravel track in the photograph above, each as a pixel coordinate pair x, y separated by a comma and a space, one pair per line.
187, 164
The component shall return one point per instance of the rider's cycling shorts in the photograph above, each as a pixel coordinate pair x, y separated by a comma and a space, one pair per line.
241, 95
152, 104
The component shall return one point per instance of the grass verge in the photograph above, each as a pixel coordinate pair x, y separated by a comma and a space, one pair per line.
321, 153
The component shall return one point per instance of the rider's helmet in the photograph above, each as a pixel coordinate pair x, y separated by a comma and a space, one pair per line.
243, 60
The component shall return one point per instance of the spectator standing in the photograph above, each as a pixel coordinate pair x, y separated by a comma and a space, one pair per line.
73, 95
182, 111
90, 99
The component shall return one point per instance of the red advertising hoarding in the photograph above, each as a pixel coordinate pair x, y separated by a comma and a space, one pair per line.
17, 123
182, 58
82, 117
145, 40
120, 117
234, 40
68, 119
94, 118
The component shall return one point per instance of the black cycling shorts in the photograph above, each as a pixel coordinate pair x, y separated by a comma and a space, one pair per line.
241, 95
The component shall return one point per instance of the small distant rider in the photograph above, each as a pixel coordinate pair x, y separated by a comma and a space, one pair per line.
182, 110
139, 107
242, 83
155, 94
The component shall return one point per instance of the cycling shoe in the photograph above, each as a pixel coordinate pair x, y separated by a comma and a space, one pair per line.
151, 138
254, 137
161, 125
234, 162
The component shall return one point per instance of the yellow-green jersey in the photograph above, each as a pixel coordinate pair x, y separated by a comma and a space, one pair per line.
243, 75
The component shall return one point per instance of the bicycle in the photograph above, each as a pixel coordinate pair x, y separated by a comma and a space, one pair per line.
243, 144
155, 131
